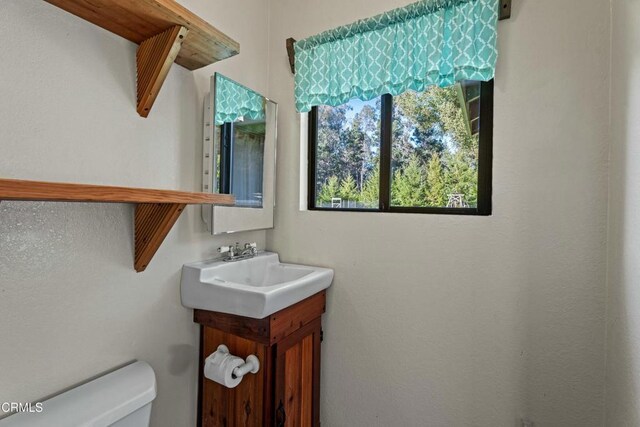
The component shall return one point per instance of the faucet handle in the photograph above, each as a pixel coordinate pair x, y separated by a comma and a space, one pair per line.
253, 245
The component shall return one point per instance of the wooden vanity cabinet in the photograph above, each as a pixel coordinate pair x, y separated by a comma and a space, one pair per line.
286, 390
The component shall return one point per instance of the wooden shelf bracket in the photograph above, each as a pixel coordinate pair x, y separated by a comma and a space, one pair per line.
153, 60
153, 221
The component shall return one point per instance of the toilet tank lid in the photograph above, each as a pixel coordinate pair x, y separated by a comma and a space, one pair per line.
100, 402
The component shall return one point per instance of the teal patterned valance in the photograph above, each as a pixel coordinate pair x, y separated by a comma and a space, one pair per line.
431, 42
234, 101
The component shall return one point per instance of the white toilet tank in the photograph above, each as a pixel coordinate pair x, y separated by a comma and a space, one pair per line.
119, 399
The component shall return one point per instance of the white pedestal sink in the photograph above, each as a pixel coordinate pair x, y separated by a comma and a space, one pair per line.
255, 287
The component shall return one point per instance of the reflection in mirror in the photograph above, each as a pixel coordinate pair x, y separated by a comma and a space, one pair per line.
239, 155
240, 159
239, 141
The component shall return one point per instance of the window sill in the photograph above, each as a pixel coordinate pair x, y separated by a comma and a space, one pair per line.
409, 210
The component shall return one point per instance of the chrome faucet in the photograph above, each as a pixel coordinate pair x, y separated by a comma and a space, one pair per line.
236, 253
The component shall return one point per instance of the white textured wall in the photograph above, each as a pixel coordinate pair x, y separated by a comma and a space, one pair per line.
623, 316
71, 305
470, 321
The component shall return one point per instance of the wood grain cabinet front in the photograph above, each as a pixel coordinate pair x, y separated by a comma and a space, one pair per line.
286, 390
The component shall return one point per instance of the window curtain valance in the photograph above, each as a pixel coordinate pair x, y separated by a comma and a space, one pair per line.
234, 101
431, 42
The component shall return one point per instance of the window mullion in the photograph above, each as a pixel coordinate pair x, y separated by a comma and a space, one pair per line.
226, 156
312, 146
485, 149
386, 120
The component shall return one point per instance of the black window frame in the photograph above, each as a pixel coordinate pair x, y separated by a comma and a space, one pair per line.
485, 162
226, 158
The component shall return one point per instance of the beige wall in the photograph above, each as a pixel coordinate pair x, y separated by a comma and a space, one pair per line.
449, 321
71, 305
623, 317
463, 321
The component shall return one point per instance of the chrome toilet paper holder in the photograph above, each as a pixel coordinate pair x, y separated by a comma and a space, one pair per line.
250, 365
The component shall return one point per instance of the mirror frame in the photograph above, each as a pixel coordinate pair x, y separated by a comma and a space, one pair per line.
232, 219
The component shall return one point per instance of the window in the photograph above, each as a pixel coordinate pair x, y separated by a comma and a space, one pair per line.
427, 152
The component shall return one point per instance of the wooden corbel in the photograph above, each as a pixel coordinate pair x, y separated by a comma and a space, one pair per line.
153, 59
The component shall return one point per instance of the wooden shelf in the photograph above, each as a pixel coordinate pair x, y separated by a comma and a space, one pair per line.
183, 37
156, 210
16, 189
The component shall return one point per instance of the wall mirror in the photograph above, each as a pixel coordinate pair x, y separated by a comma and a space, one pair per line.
239, 156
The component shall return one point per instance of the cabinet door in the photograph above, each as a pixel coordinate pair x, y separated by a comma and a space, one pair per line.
297, 397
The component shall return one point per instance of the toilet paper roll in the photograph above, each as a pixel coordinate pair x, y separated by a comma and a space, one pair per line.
219, 368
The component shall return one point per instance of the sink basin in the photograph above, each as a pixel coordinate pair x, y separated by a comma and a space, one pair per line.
255, 287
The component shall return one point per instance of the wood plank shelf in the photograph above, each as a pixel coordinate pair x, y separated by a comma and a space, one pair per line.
165, 31
155, 214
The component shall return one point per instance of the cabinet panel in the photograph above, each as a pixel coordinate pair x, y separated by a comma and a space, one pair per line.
292, 384
241, 406
306, 380
297, 378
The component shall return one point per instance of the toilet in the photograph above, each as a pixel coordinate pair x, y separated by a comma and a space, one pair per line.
121, 398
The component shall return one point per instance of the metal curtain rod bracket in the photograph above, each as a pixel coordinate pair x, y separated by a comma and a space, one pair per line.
504, 13
292, 54
505, 10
